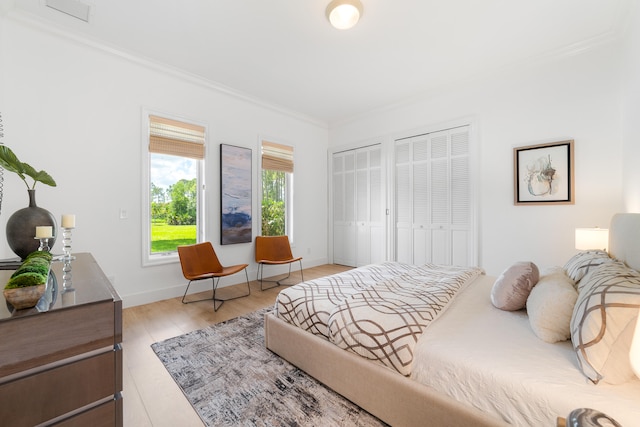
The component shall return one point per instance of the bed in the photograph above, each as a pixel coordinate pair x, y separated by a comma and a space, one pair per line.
472, 363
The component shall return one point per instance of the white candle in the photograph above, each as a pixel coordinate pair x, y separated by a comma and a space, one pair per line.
68, 221
44, 231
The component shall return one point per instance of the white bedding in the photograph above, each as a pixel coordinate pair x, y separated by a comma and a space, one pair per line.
492, 360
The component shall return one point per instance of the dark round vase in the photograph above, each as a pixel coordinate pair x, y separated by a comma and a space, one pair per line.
21, 227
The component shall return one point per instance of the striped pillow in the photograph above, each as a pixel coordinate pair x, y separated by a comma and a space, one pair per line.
603, 322
583, 262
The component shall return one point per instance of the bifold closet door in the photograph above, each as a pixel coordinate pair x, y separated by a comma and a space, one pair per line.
344, 228
433, 198
370, 245
359, 234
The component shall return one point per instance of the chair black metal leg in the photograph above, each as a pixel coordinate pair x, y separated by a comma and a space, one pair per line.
301, 275
215, 287
198, 300
229, 299
289, 275
277, 282
261, 279
185, 292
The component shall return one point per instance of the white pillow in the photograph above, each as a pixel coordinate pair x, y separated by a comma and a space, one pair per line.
550, 306
604, 320
511, 289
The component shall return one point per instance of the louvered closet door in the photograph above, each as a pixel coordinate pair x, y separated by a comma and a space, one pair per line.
433, 198
344, 229
404, 202
362, 212
439, 207
377, 218
358, 207
462, 233
421, 231
370, 247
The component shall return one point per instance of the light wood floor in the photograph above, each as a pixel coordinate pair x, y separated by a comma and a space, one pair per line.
151, 397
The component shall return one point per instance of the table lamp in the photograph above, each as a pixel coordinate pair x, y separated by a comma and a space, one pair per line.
592, 238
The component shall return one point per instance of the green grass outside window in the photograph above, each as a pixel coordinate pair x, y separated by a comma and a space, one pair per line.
166, 238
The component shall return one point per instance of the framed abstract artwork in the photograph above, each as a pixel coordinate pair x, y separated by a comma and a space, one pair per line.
235, 194
543, 174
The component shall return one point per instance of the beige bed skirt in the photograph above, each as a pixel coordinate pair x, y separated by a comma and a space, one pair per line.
393, 398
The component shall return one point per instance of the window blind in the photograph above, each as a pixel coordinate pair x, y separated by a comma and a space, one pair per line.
277, 157
167, 136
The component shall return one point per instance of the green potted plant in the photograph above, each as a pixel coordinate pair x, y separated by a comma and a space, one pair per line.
29, 282
9, 161
21, 225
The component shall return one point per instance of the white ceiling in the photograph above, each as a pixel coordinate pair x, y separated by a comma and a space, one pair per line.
285, 53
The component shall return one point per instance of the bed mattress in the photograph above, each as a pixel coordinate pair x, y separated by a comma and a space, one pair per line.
492, 360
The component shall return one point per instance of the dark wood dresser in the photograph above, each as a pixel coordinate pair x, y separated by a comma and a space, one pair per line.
61, 361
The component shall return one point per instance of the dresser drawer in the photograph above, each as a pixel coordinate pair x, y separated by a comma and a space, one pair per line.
52, 393
106, 415
33, 341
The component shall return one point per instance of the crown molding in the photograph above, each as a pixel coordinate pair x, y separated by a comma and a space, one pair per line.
607, 37
27, 19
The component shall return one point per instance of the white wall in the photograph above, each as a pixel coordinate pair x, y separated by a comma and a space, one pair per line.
575, 97
631, 115
75, 111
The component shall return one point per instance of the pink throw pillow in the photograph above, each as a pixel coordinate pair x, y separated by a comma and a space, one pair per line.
513, 286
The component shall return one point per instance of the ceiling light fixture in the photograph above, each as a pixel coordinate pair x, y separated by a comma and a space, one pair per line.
344, 14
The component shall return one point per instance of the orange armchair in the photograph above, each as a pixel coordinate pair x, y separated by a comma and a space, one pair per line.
274, 250
200, 262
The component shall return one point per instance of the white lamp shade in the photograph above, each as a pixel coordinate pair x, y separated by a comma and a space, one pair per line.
344, 14
592, 238
634, 354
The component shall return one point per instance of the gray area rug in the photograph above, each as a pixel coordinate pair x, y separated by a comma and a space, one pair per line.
231, 379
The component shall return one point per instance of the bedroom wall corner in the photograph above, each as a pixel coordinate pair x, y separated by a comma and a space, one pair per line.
630, 114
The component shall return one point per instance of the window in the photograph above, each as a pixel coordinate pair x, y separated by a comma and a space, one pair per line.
173, 206
277, 184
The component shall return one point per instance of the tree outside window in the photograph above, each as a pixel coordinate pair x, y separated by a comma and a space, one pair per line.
174, 204
277, 177
274, 186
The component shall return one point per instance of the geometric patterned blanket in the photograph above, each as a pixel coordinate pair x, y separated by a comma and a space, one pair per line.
383, 323
308, 305
381, 315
